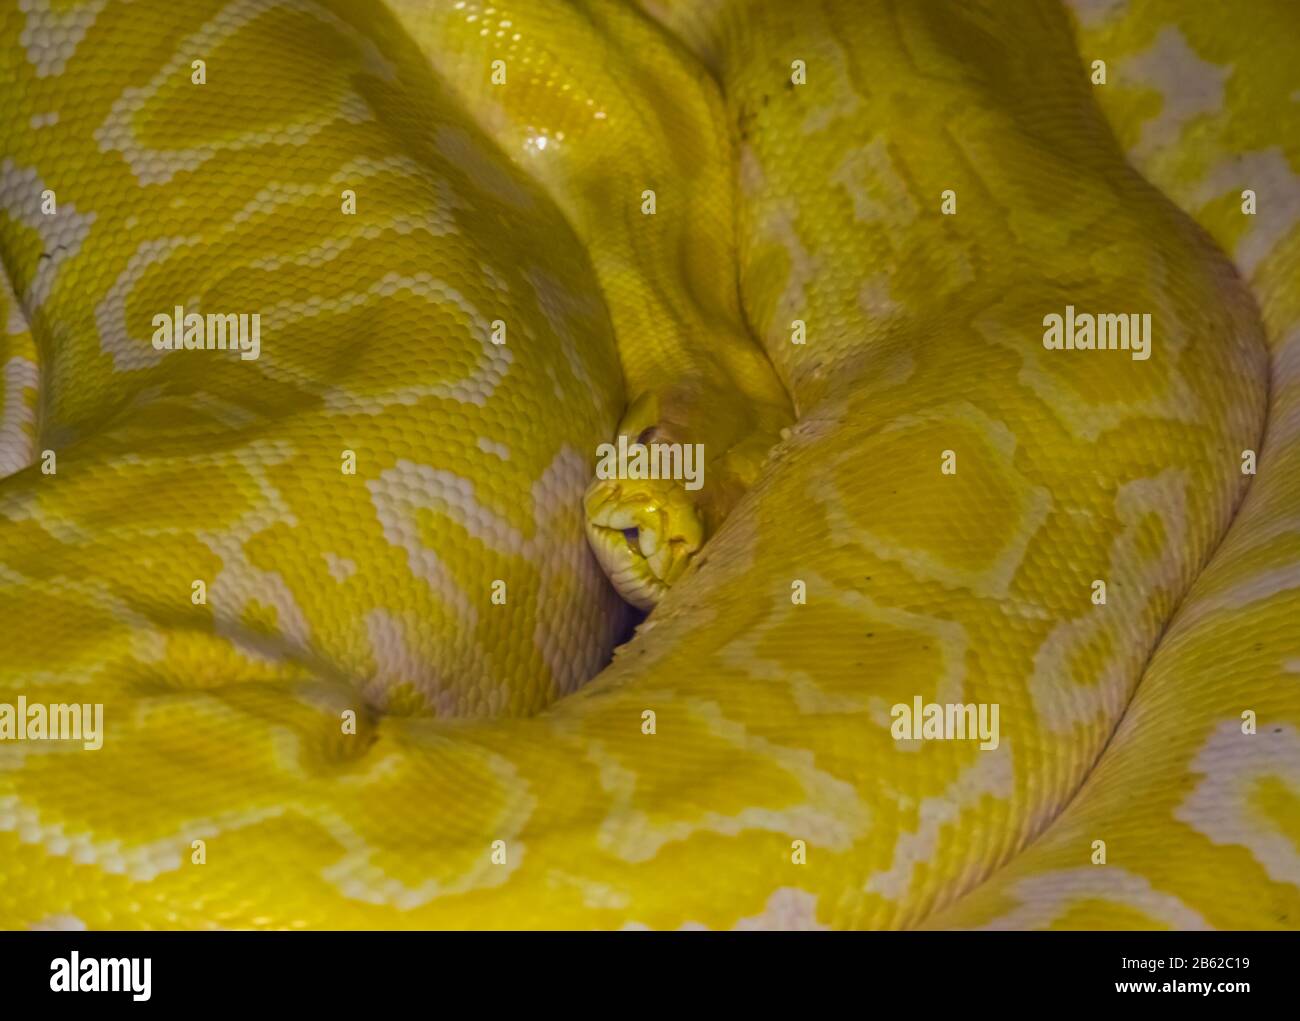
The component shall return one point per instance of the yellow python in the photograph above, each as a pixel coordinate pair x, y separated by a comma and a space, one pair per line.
337, 601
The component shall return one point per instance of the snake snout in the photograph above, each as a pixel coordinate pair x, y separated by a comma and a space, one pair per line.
643, 537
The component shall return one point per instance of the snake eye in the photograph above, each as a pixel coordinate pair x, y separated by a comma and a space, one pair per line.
632, 536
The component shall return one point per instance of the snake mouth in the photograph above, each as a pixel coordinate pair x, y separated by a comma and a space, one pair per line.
644, 541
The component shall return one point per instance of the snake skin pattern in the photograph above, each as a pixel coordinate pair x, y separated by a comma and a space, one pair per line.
339, 601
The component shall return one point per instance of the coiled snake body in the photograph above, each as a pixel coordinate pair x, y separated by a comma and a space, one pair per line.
338, 601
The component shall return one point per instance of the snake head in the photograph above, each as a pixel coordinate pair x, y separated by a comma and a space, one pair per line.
644, 533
